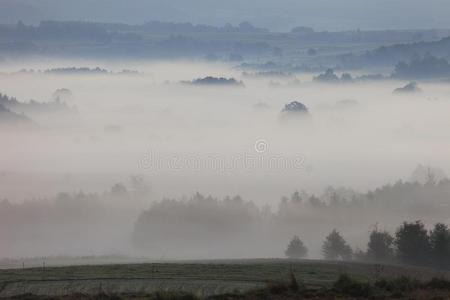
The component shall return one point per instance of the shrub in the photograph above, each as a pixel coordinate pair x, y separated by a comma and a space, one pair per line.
277, 288
348, 286
438, 284
398, 285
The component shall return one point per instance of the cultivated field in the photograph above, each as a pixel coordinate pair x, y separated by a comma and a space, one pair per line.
201, 278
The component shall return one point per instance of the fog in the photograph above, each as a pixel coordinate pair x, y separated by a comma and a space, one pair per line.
180, 139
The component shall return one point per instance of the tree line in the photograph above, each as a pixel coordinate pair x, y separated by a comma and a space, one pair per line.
411, 244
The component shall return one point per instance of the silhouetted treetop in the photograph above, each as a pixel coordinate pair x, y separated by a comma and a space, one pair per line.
410, 88
425, 67
295, 107
218, 81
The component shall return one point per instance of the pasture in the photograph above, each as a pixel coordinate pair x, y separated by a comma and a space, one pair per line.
200, 278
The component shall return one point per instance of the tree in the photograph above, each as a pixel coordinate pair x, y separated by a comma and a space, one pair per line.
295, 198
440, 245
413, 243
119, 190
140, 188
346, 77
425, 67
209, 80
295, 107
427, 175
328, 76
296, 248
380, 246
410, 88
335, 247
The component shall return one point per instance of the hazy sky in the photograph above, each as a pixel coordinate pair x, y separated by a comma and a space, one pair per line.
276, 14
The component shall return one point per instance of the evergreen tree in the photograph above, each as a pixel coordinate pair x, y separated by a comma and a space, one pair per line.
296, 248
440, 246
413, 243
335, 247
380, 246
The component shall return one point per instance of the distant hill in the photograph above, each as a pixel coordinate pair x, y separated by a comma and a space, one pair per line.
8, 117
32, 107
389, 55
167, 39
276, 15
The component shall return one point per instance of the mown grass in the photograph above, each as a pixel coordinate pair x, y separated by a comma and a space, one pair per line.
320, 272
242, 271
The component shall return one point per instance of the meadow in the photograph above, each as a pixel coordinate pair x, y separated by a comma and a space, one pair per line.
199, 278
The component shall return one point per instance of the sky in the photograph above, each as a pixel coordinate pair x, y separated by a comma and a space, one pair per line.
278, 15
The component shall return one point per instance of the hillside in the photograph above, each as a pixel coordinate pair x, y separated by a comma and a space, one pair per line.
391, 55
7, 117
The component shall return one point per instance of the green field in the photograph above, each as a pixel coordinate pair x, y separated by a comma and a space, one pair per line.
202, 278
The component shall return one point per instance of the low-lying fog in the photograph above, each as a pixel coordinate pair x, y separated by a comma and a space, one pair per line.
179, 139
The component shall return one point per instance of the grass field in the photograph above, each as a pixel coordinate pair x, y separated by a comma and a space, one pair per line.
201, 278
